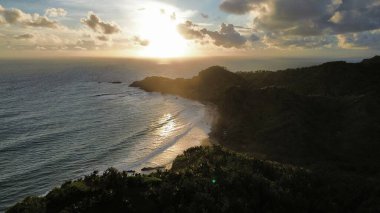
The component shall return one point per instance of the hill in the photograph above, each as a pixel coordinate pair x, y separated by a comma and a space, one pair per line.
326, 115
209, 180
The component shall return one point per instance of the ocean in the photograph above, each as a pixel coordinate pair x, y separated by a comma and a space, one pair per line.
63, 119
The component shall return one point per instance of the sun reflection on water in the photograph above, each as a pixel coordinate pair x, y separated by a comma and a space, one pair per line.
169, 126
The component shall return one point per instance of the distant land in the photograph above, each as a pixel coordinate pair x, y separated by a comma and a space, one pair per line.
295, 140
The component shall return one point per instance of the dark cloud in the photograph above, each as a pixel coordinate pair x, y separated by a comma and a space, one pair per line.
309, 17
238, 6
363, 17
189, 31
363, 40
97, 25
12, 16
296, 17
226, 37
24, 36
102, 38
17, 16
254, 38
294, 41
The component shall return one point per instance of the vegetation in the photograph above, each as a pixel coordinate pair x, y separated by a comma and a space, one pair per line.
208, 180
321, 124
321, 116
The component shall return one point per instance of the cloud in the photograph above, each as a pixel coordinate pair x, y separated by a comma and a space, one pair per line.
310, 42
254, 38
17, 16
87, 44
24, 36
351, 17
97, 25
102, 38
12, 16
309, 17
226, 37
204, 15
296, 17
363, 40
55, 12
41, 21
140, 41
188, 31
41, 48
238, 6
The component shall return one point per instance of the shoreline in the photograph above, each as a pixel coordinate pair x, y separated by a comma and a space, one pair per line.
198, 135
307, 164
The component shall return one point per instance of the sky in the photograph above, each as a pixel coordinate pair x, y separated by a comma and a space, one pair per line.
184, 28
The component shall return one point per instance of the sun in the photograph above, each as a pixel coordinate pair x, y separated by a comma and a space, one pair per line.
159, 27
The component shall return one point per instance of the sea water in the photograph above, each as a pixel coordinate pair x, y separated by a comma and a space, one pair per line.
61, 120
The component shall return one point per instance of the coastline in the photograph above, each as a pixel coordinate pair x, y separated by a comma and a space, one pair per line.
295, 116
275, 115
198, 135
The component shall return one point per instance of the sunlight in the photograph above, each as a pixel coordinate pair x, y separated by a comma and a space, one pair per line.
169, 127
160, 28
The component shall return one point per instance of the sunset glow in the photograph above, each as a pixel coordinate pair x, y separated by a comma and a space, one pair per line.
177, 29
161, 32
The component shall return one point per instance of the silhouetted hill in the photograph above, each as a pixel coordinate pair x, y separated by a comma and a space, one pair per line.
209, 180
374, 60
209, 85
315, 116
329, 79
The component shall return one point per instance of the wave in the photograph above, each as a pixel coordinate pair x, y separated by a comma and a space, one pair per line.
136, 137
68, 134
193, 121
